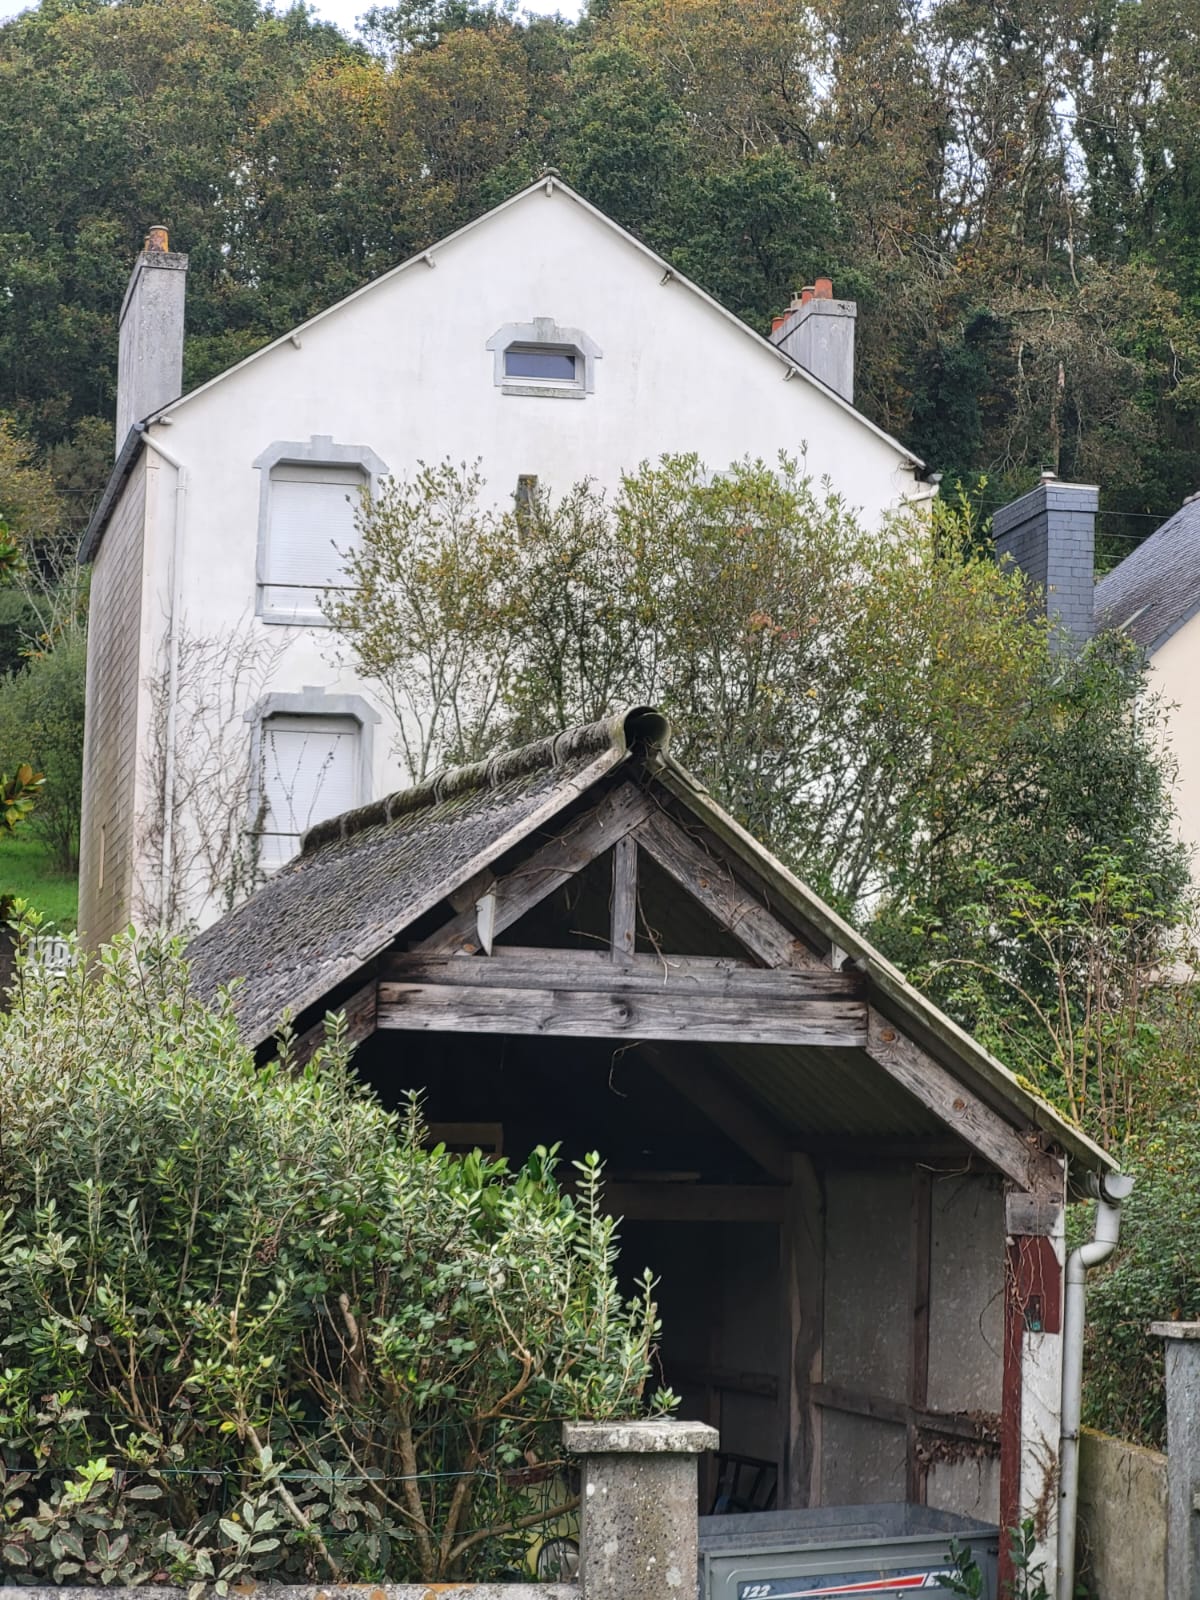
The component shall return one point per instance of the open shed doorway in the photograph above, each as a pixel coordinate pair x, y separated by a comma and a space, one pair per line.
572, 942
839, 1319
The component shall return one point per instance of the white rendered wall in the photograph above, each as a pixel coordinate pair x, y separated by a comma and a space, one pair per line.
1175, 674
403, 369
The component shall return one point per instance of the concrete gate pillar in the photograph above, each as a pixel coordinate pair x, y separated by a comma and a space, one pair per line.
1183, 1457
639, 1514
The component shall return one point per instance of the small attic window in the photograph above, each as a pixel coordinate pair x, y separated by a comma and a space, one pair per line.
547, 363
542, 359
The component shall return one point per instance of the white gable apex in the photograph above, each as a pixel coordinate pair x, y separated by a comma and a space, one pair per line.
568, 244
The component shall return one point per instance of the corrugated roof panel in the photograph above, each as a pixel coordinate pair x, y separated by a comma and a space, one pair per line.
835, 1092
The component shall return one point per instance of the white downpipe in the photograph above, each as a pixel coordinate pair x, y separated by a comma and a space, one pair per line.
166, 862
1109, 1190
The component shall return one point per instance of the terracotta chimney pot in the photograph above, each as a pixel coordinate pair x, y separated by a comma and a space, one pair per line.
823, 289
157, 240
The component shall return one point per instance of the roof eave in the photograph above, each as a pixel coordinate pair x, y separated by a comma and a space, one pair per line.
901, 999
126, 460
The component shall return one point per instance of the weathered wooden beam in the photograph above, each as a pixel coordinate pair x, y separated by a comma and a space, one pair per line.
623, 936
548, 868
711, 882
729, 1379
694, 1202
698, 1080
869, 1152
950, 1424
1039, 1215
663, 962
802, 1275
600, 973
916, 1472
359, 1012
952, 1103
636, 1014
487, 1137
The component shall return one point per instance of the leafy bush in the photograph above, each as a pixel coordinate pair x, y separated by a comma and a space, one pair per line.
254, 1325
1154, 1276
41, 721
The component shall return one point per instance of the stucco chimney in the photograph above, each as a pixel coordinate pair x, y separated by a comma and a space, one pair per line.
818, 332
150, 356
1050, 533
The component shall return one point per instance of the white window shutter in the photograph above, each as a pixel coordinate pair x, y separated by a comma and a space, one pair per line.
311, 519
310, 768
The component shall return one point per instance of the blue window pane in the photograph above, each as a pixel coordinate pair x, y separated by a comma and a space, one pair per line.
539, 361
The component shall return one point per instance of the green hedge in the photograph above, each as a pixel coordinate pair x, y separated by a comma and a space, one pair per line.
254, 1325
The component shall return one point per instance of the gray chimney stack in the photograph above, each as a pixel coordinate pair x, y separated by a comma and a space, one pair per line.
817, 331
1050, 533
150, 357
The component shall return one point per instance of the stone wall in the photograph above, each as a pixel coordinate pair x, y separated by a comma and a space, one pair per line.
639, 1532
1122, 1519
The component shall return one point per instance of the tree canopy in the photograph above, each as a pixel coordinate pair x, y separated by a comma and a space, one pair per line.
877, 706
1006, 189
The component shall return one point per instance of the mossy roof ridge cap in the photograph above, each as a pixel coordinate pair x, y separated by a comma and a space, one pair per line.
643, 728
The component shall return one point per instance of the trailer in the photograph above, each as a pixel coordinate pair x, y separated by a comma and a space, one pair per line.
877, 1550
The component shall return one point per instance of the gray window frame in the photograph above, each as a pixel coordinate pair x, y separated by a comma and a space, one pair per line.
544, 330
318, 451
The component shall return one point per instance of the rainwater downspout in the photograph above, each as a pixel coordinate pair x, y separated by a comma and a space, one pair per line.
1110, 1190
166, 862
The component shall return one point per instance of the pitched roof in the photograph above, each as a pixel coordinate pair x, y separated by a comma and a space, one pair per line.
548, 183
363, 879
1156, 589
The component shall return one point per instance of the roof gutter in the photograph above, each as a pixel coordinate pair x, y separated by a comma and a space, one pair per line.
122, 467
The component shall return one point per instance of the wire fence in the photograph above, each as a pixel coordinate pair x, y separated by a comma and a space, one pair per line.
497, 1501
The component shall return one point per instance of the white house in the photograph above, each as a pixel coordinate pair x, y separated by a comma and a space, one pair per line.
543, 340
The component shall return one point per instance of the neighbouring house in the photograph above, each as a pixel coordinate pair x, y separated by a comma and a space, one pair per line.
542, 339
858, 1213
1153, 595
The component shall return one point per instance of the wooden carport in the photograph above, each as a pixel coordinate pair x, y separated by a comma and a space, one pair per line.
587, 889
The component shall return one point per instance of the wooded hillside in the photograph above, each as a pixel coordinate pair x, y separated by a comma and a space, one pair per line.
1008, 190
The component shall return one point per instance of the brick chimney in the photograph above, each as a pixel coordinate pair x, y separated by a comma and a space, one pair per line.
1050, 533
150, 356
817, 331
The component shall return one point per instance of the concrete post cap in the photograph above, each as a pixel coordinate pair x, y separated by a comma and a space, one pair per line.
1175, 1330
662, 1436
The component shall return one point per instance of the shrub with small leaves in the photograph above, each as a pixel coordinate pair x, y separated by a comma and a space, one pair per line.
254, 1325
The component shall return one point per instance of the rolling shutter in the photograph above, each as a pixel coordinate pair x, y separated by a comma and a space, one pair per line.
311, 517
310, 769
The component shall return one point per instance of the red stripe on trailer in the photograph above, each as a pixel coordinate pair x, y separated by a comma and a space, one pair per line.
914, 1580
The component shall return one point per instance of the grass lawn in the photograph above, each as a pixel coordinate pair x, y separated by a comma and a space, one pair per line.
26, 869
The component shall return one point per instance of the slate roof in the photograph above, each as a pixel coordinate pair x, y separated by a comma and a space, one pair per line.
1156, 589
364, 878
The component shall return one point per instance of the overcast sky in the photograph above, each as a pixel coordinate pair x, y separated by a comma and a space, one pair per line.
345, 12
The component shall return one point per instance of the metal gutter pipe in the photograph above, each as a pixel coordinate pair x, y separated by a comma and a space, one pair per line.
1110, 1190
166, 863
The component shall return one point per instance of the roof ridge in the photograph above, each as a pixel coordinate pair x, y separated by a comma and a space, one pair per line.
643, 729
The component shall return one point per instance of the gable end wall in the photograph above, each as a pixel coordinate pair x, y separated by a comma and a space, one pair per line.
106, 846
